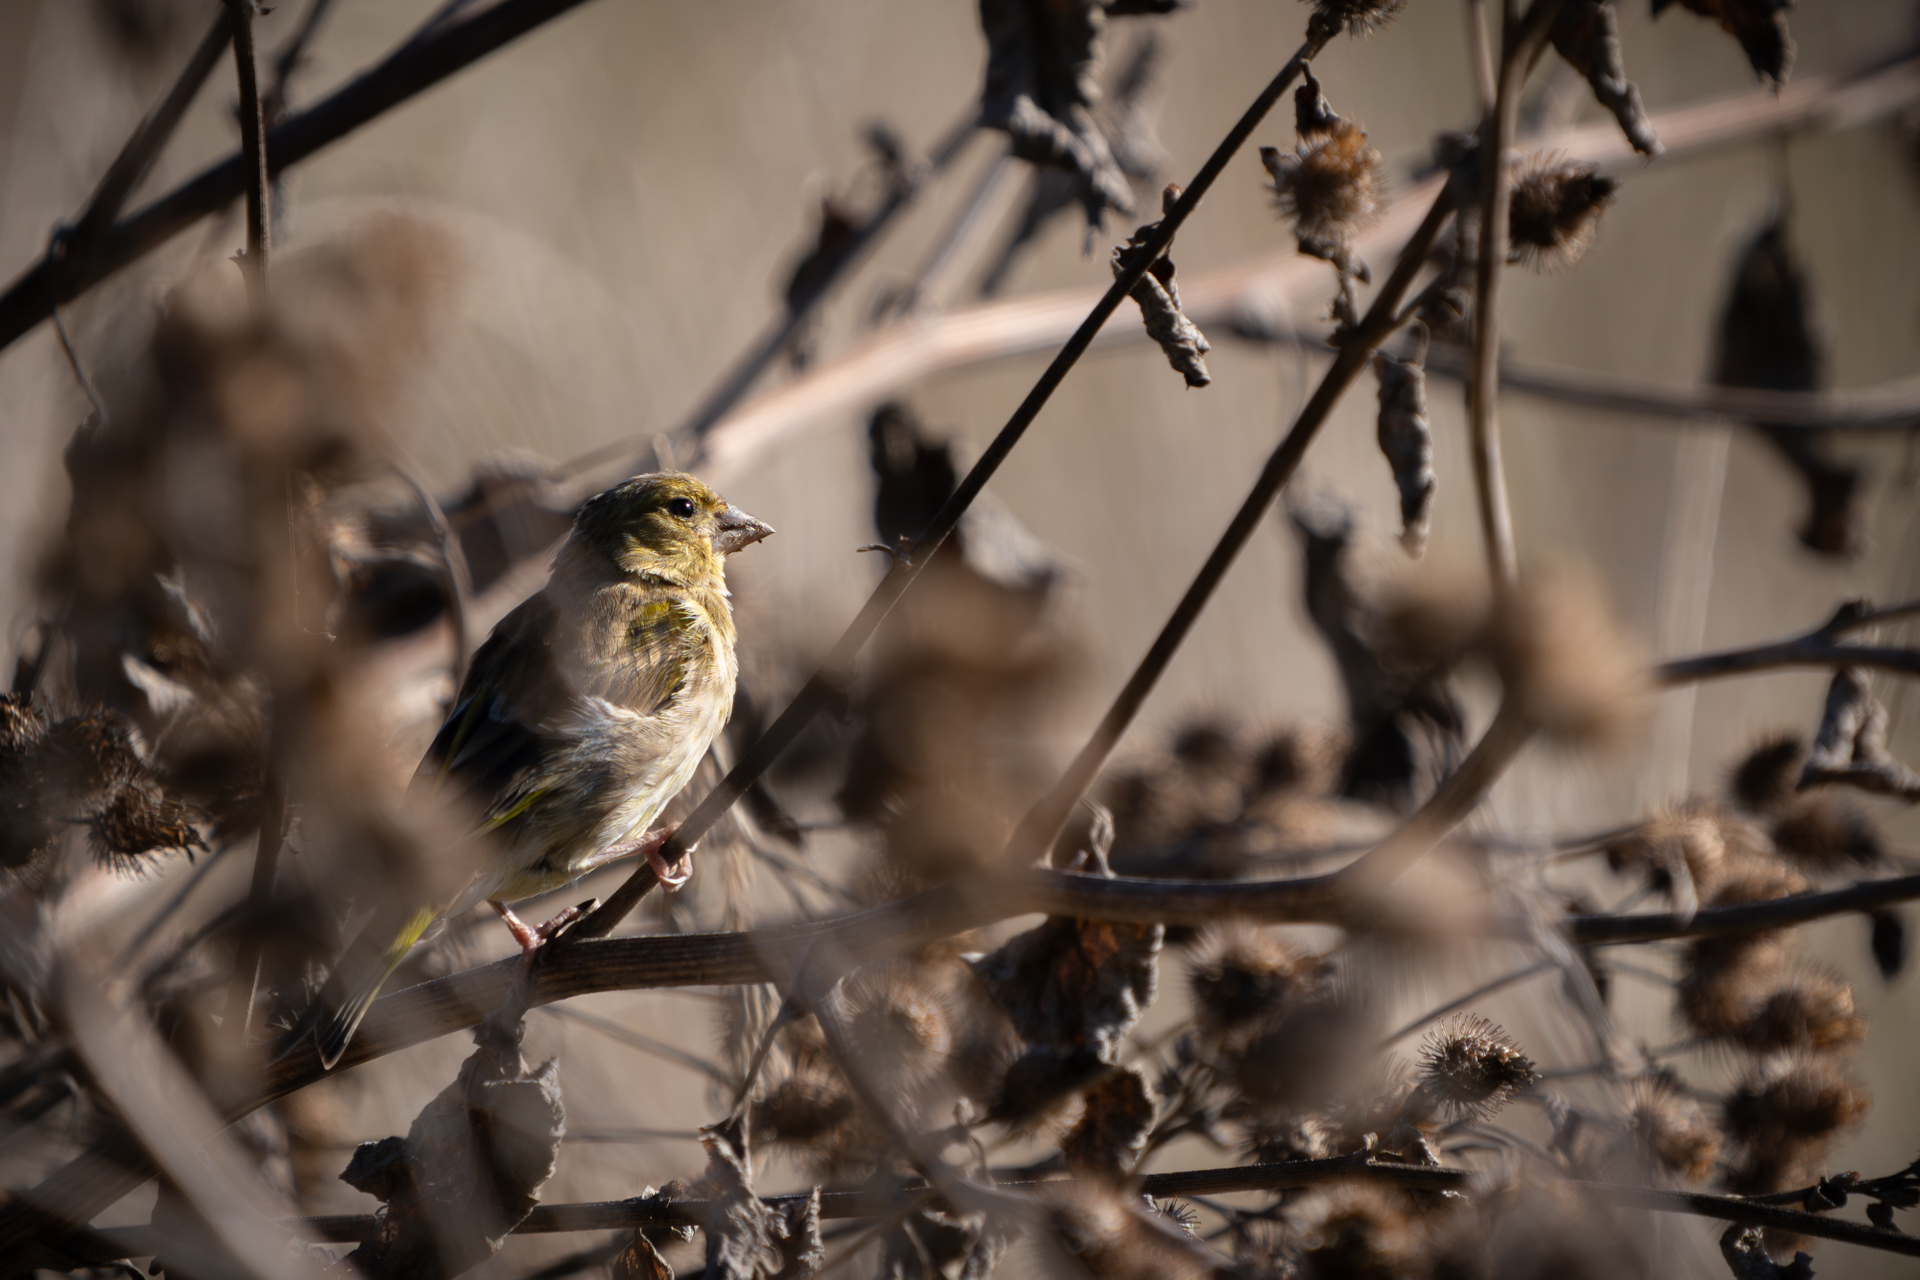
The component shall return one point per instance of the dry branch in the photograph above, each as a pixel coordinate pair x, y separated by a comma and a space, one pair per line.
650, 1211
416, 66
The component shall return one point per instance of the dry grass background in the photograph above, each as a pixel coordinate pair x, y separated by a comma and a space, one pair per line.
622, 192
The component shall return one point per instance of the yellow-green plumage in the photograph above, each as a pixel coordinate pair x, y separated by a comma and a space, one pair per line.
584, 713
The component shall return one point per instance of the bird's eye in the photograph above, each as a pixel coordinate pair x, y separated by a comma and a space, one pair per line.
682, 507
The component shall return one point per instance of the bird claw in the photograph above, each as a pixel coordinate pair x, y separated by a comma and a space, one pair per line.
670, 875
532, 939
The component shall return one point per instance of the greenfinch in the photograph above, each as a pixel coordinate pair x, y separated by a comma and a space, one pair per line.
584, 713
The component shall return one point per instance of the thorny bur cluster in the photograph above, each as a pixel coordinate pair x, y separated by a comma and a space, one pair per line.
242, 635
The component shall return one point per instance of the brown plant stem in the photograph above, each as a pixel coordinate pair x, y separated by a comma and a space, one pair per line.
413, 68
1517, 44
1044, 820
648, 1211
836, 670
114, 1165
1820, 647
148, 140
253, 155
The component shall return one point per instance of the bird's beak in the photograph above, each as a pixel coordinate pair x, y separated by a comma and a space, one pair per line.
736, 529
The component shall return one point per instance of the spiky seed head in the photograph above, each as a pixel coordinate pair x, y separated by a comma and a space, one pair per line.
1565, 663
1724, 981
1767, 774
1556, 209
1240, 973
1687, 839
802, 1108
1330, 186
1300, 760
1102, 1230
1811, 1011
1751, 878
141, 820
1359, 1232
1821, 831
1470, 1067
900, 1023
1671, 1133
1357, 17
1793, 1100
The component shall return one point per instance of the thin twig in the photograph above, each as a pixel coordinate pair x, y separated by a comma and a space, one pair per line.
1480, 992
1480, 45
410, 71
647, 1211
1820, 647
820, 690
1518, 41
1043, 821
253, 153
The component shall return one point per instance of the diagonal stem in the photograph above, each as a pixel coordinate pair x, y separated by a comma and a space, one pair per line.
253, 154
834, 673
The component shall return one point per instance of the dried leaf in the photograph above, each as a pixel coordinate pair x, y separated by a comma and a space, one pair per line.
1767, 342
1587, 35
1759, 25
641, 1261
1851, 748
1159, 301
938, 1244
1408, 443
1040, 90
746, 1238
1117, 1116
471, 1166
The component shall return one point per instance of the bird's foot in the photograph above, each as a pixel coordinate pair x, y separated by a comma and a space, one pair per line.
534, 938
671, 875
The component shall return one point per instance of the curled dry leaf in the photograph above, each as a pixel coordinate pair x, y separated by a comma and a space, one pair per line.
1116, 1117
1159, 301
469, 1169
1040, 91
1851, 747
1759, 25
1407, 442
746, 1238
1587, 35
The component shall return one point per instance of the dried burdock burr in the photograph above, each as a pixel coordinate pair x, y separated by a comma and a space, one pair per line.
901, 1025
1587, 34
1682, 854
1725, 981
1307, 1056
26, 825
1407, 442
1359, 1232
1556, 208
1822, 832
1239, 973
1887, 940
1330, 186
1357, 17
1810, 1011
1672, 1136
1766, 776
1564, 662
1791, 1102
139, 820
802, 1108
1105, 1234
1470, 1068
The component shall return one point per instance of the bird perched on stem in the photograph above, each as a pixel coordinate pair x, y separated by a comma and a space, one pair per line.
584, 713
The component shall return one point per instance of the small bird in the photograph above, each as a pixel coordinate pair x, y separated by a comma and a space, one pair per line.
584, 713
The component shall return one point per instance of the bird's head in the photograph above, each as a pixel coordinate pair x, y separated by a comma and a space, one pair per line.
666, 525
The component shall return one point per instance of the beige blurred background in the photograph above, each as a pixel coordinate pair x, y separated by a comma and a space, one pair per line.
624, 190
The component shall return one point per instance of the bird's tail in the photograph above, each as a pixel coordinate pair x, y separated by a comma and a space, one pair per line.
356, 981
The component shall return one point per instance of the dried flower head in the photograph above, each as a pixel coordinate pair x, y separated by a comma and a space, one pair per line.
1769, 772
1308, 1056
1724, 981
802, 1109
1359, 1232
1792, 1101
142, 819
1752, 878
901, 1024
1670, 1132
1112, 1236
1330, 186
1810, 1011
1565, 663
25, 825
1240, 973
1299, 760
1684, 845
1556, 208
1357, 17
1470, 1067
1821, 831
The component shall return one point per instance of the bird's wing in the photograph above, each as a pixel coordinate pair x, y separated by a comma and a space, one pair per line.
500, 732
